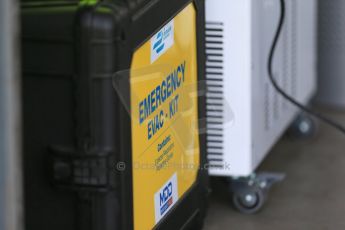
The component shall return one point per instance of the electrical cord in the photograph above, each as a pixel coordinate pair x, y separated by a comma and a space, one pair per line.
304, 108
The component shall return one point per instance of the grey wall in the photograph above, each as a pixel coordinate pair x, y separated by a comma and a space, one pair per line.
331, 64
10, 144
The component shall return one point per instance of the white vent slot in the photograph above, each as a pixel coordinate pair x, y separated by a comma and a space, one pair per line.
215, 94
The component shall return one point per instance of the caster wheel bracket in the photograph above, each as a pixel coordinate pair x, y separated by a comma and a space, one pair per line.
250, 193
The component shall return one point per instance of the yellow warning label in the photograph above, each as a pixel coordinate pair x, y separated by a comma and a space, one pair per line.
165, 143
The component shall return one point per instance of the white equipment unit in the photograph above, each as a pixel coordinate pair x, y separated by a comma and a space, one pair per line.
245, 114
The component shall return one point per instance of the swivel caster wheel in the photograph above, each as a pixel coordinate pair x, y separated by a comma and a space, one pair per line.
250, 201
249, 194
303, 127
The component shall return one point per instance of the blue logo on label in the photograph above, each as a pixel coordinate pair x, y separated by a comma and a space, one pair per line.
162, 41
166, 198
159, 44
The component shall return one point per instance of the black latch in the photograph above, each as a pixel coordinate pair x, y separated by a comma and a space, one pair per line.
86, 172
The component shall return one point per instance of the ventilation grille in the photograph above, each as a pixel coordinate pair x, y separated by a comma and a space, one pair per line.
215, 94
275, 106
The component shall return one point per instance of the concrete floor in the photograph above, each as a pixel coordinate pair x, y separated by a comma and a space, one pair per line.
311, 197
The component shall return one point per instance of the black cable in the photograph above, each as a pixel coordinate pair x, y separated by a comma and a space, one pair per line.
281, 91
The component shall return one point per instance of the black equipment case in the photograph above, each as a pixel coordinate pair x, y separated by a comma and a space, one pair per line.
81, 133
